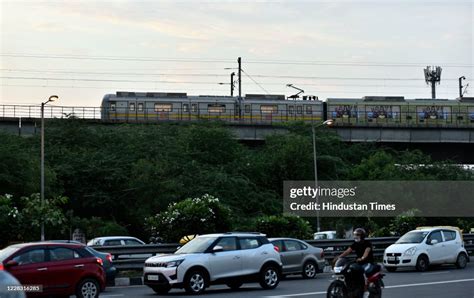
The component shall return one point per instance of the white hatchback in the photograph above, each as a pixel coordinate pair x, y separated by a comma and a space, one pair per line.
427, 246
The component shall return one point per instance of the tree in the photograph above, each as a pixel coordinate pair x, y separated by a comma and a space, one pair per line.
284, 226
21, 219
406, 222
201, 215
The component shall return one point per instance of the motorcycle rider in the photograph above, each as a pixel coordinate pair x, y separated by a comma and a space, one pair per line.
364, 252
363, 248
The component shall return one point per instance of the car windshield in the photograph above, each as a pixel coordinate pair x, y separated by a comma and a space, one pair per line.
6, 252
197, 245
412, 237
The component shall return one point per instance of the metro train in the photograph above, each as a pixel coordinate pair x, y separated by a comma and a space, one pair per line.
269, 109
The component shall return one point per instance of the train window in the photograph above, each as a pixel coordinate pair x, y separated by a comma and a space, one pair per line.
269, 109
132, 107
247, 108
194, 108
291, 110
216, 108
433, 112
309, 109
140, 107
112, 106
299, 110
185, 108
163, 107
382, 112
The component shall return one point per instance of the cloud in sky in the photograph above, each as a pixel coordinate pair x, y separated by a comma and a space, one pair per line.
350, 31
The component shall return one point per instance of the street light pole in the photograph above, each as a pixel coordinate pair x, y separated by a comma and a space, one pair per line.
327, 123
51, 98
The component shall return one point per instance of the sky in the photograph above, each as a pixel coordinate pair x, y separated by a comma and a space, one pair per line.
83, 49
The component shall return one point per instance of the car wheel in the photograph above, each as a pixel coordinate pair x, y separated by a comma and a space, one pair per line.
422, 263
461, 261
234, 285
309, 270
88, 288
195, 282
161, 289
269, 277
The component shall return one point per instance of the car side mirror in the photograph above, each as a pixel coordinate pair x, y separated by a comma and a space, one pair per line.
217, 248
433, 241
11, 263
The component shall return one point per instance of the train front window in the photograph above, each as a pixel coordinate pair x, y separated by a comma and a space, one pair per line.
163, 107
112, 106
132, 107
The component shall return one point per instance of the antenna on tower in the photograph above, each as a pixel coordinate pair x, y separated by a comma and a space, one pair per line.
433, 77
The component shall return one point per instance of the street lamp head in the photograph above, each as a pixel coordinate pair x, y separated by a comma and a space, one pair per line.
53, 98
328, 122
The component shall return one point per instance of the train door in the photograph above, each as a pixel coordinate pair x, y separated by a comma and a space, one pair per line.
121, 109
141, 111
185, 113
291, 112
131, 110
193, 110
111, 110
246, 113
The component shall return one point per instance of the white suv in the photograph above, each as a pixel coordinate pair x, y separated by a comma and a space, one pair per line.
229, 258
427, 246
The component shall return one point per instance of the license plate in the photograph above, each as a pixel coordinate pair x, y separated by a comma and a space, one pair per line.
391, 258
153, 277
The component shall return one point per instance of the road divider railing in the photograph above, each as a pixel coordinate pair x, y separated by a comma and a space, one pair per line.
132, 257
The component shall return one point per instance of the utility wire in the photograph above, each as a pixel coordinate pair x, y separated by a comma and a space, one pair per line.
254, 81
222, 60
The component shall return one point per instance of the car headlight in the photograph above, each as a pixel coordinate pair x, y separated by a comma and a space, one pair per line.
410, 251
175, 263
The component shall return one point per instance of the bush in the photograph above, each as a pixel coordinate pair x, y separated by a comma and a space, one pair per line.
284, 226
191, 216
406, 222
21, 219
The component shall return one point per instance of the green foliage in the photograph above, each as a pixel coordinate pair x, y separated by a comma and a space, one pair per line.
406, 222
284, 226
117, 175
21, 219
200, 215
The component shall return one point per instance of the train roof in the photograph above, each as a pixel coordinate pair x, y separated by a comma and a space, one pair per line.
265, 96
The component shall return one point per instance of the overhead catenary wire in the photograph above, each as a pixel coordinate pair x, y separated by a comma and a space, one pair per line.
224, 60
258, 84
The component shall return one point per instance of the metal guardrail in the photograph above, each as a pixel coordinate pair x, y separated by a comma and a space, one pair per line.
133, 257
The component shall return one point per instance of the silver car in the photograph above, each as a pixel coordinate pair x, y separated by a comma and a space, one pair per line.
227, 258
299, 257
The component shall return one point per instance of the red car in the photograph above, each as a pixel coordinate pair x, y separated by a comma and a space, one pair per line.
62, 269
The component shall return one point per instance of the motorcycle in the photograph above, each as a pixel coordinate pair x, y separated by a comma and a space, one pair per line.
352, 280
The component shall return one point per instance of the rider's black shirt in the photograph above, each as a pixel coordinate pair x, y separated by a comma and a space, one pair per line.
359, 249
